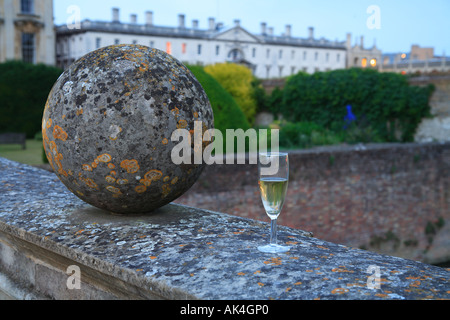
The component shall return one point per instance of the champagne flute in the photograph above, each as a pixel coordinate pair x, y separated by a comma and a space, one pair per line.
273, 170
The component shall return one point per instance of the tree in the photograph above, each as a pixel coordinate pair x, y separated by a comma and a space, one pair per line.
238, 81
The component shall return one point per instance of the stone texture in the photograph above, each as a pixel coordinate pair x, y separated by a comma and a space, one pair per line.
108, 123
180, 252
380, 197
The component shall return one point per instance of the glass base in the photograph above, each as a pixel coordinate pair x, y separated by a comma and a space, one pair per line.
273, 248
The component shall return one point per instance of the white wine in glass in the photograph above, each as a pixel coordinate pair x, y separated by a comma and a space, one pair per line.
273, 169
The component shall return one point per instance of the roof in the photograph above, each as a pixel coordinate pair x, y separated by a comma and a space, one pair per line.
226, 34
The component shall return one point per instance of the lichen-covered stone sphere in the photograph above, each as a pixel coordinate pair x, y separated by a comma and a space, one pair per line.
108, 123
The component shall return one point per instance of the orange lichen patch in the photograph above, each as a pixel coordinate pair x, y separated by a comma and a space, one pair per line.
105, 158
113, 173
195, 114
110, 179
166, 178
140, 189
175, 111
174, 180
381, 295
87, 167
153, 175
122, 181
113, 190
165, 190
342, 269
111, 166
80, 111
49, 123
339, 291
165, 141
131, 166
94, 164
152, 257
241, 274
59, 133
324, 248
261, 284
273, 261
297, 283
90, 183
256, 272
182, 124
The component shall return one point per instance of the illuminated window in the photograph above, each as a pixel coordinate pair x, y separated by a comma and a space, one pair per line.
373, 62
403, 55
364, 62
169, 47
183, 48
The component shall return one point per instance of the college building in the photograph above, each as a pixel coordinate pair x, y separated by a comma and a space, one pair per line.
267, 54
27, 31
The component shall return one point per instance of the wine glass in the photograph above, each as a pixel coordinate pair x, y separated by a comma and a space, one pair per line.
273, 170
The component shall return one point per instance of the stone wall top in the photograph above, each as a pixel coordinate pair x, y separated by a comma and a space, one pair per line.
179, 252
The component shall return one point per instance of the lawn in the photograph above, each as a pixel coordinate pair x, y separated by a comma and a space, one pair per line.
32, 155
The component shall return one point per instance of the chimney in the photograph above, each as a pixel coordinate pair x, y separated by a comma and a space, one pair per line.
349, 40
263, 28
115, 15
270, 31
181, 21
133, 18
311, 33
212, 24
194, 24
288, 30
149, 18
362, 42
237, 23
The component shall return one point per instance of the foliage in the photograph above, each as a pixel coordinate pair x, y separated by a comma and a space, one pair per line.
227, 114
24, 89
391, 107
306, 135
238, 80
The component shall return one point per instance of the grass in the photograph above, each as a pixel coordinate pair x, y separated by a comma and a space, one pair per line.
32, 155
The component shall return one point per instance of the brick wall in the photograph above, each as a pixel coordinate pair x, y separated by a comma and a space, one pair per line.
394, 198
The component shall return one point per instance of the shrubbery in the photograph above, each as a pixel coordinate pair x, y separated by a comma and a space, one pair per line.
237, 80
387, 108
24, 89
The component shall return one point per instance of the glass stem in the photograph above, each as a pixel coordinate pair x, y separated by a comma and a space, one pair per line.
273, 232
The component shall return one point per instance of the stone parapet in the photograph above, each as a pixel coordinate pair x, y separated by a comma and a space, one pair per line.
50, 240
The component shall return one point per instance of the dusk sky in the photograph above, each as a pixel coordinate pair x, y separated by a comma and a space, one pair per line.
401, 22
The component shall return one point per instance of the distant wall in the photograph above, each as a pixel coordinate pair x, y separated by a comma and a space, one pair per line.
393, 198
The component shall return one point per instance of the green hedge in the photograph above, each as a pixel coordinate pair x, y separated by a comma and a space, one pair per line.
390, 108
24, 89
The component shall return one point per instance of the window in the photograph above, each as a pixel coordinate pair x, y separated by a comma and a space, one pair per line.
28, 47
293, 54
217, 50
183, 48
254, 53
98, 43
152, 44
135, 41
304, 55
280, 54
169, 47
338, 58
268, 53
116, 41
316, 56
327, 57
199, 49
27, 6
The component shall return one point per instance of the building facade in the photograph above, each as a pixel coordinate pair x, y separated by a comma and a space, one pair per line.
27, 31
267, 54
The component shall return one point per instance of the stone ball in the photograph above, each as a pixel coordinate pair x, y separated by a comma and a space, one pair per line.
108, 123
